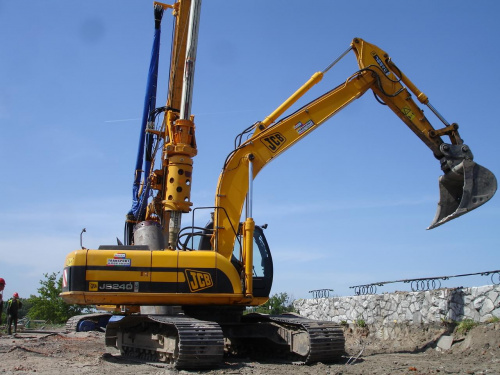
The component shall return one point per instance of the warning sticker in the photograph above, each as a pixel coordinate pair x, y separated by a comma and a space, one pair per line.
302, 128
408, 113
124, 262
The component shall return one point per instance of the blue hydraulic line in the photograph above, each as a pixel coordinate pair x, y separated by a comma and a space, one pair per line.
143, 162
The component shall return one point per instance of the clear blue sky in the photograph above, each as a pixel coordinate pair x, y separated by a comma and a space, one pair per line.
346, 206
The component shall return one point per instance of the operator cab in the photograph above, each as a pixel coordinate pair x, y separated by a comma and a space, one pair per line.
198, 239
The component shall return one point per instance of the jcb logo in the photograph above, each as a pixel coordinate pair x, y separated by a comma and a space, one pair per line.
198, 280
274, 141
93, 286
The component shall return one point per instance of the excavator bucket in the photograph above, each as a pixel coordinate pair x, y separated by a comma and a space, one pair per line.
466, 187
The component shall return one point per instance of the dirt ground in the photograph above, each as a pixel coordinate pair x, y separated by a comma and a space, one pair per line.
414, 351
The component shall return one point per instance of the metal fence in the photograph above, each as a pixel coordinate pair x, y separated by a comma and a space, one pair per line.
421, 284
321, 293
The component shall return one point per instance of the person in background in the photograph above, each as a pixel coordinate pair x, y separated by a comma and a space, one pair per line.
2, 286
13, 307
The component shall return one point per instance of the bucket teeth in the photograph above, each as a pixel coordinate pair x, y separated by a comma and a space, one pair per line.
466, 187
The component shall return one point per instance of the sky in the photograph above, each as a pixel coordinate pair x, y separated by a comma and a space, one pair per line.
348, 205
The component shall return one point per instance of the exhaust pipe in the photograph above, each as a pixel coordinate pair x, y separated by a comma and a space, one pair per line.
465, 185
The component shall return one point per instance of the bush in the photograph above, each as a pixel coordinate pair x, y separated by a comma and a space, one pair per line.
48, 305
277, 304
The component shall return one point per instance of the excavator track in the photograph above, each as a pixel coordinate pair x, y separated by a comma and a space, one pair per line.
307, 340
185, 342
326, 339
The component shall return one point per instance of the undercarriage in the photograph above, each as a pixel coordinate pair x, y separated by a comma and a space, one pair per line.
190, 343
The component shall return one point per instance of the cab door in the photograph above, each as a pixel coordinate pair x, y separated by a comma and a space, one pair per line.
262, 264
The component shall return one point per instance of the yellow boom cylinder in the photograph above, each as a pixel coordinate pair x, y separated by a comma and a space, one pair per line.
315, 78
248, 230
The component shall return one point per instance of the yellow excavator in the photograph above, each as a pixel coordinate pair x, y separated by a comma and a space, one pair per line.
183, 292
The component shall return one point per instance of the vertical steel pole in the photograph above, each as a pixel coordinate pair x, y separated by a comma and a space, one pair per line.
192, 43
250, 188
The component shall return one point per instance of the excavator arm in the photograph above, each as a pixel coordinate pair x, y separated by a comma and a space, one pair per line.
464, 186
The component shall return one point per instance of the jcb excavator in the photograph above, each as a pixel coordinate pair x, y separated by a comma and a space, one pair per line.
182, 293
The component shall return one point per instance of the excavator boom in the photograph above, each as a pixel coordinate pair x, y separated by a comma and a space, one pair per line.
464, 186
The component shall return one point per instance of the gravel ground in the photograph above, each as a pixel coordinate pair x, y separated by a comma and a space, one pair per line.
415, 352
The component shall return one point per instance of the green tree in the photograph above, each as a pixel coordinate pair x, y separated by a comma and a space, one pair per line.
26, 307
48, 305
278, 303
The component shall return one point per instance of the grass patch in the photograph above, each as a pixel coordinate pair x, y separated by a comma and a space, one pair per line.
493, 319
466, 325
360, 323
